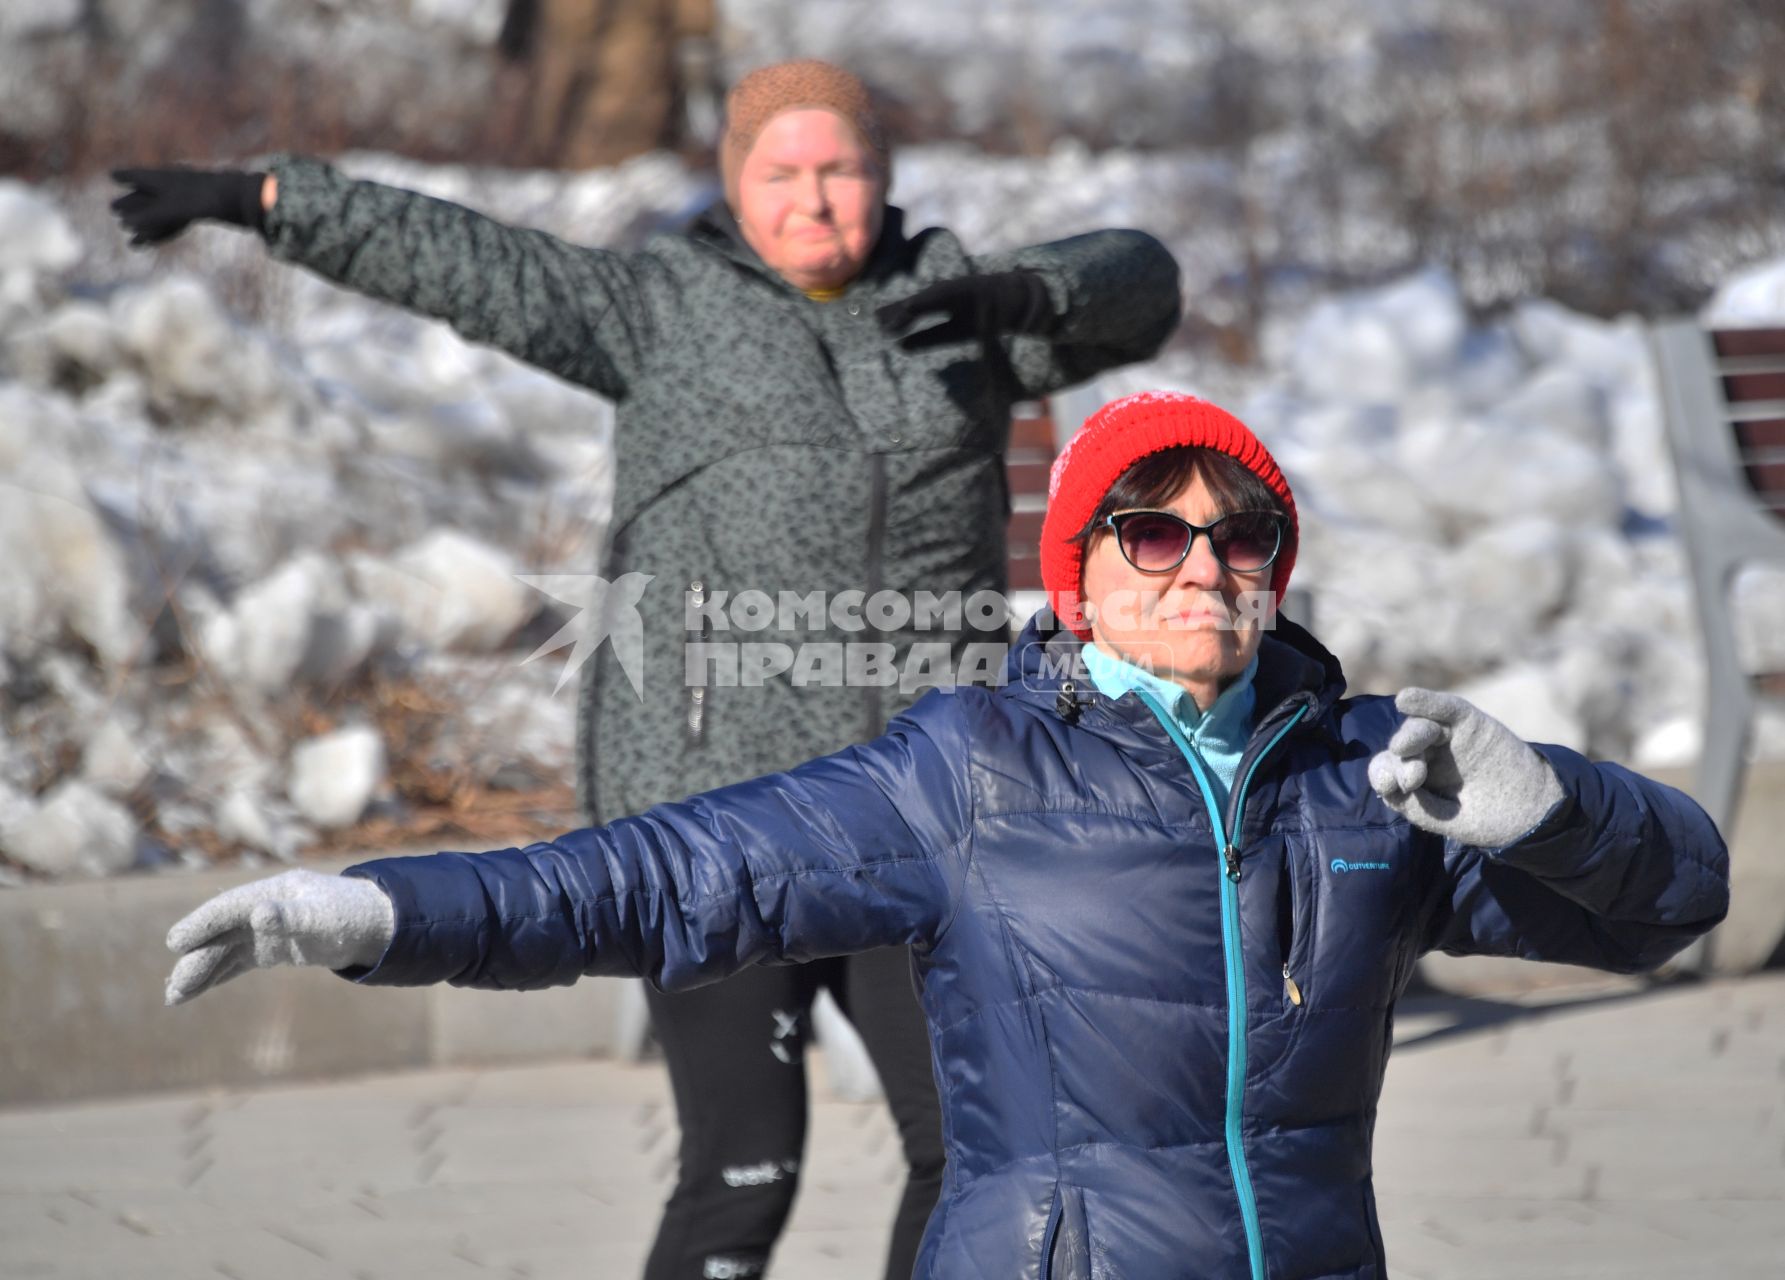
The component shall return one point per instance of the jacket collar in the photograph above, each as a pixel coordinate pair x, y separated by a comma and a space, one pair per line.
1294, 670
1231, 711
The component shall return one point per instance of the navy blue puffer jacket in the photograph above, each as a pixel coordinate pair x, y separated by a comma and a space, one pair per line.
1159, 1031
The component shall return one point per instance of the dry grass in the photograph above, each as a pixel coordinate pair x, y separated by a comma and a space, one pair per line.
185, 112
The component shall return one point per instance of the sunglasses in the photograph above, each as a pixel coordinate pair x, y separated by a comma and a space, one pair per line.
1158, 541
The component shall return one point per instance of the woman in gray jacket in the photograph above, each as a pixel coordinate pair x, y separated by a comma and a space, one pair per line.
782, 428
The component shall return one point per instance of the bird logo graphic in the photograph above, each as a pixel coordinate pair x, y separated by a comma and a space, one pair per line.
603, 611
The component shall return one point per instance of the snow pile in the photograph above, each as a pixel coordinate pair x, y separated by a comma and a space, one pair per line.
1749, 299
36, 244
333, 777
227, 551
1487, 508
72, 830
214, 540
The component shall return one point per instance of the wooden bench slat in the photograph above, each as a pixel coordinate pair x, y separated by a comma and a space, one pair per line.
1765, 434
1025, 575
1754, 386
1028, 475
1749, 342
1024, 528
1028, 462
1032, 433
1767, 479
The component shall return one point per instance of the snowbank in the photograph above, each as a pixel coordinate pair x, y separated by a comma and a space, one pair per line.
1488, 509
209, 528
1750, 299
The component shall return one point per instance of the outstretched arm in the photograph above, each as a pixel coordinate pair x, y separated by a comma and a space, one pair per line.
1113, 298
858, 850
1548, 855
587, 315
300, 917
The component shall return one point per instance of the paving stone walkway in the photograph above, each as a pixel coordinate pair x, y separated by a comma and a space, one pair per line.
1625, 1132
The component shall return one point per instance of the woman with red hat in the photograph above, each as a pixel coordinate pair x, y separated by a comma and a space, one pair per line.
1164, 886
809, 397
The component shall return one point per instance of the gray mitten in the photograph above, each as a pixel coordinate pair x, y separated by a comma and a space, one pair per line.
1454, 770
300, 917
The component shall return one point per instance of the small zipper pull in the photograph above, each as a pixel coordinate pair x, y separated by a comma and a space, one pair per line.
1232, 857
1295, 992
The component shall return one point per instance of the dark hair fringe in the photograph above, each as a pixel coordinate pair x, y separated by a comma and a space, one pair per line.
1156, 479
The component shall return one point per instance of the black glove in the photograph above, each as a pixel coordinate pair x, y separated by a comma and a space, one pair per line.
972, 308
161, 203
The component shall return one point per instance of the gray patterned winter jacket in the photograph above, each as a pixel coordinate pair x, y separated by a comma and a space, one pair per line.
764, 442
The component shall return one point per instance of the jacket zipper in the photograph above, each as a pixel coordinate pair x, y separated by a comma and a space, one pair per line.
876, 551
1236, 973
697, 695
1291, 989
1053, 1230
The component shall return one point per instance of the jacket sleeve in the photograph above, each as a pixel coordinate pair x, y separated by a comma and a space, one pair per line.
849, 852
588, 315
1621, 874
1116, 301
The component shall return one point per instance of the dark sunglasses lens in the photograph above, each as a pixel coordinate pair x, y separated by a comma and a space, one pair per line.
1245, 541
1153, 542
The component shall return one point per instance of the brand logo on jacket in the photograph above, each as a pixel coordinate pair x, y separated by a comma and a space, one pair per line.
1341, 867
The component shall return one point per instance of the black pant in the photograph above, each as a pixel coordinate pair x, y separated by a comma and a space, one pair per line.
737, 1067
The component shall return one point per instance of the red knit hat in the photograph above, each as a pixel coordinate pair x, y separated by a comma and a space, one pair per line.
1112, 440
